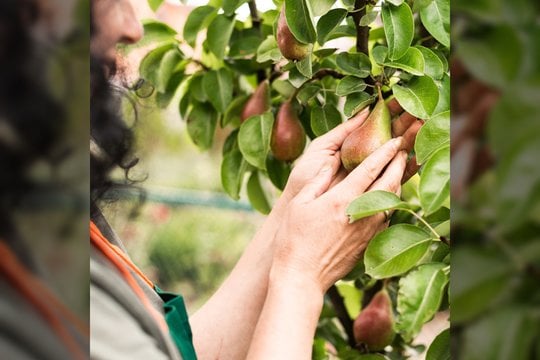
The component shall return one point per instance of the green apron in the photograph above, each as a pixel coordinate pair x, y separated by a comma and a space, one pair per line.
177, 318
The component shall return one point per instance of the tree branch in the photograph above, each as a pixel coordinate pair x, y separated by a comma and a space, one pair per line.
362, 33
256, 23
342, 314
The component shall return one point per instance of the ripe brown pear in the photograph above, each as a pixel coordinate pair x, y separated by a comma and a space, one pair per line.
258, 103
371, 135
288, 136
290, 48
374, 327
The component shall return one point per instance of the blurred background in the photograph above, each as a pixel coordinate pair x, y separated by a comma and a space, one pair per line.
186, 233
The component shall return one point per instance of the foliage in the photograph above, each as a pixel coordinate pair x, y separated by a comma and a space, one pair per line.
495, 294
400, 46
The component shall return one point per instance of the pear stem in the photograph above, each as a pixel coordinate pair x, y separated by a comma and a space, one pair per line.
379, 91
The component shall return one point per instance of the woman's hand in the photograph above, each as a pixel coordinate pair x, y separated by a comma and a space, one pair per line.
316, 241
324, 152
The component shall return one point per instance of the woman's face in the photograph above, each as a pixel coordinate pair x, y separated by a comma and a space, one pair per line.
114, 23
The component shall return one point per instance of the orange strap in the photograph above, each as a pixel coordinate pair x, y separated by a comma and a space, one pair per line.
43, 300
121, 262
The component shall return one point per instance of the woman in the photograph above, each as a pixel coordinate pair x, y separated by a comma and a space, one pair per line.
269, 305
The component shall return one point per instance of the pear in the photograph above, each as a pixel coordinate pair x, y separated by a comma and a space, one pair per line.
374, 326
288, 136
258, 103
290, 48
371, 135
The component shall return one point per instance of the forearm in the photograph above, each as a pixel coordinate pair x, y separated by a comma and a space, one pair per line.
289, 319
223, 327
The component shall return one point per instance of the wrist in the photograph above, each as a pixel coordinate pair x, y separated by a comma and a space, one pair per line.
297, 281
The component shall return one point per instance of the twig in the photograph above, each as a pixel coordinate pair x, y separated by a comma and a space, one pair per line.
421, 219
256, 22
362, 32
342, 314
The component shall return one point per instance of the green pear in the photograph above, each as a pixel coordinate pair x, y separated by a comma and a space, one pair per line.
290, 48
258, 103
288, 136
371, 135
374, 327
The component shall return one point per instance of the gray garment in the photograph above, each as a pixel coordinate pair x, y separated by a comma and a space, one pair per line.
120, 325
24, 334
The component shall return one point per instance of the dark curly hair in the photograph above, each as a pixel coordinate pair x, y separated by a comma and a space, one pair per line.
31, 120
112, 140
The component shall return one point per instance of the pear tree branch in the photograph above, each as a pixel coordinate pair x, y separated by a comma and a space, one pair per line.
342, 314
256, 22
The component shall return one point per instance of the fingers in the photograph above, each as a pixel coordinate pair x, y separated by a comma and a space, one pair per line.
320, 183
390, 180
409, 137
410, 170
367, 172
333, 139
402, 123
394, 107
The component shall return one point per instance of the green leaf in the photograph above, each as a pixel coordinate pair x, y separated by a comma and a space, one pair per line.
412, 61
230, 6
396, 250
433, 135
444, 95
233, 169
196, 21
201, 125
154, 4
168, 64
196, 88
367, 19
304, 66
254, 139
308, 92
299, 20
328, 23
219, 34
350, 84
321, 7
218, 85
440, 347
234, 111
150, 64
268, 50
283, 87
434, 187
419, 97
278, 171
395, 2
419, 297
357, 64
256, 194
356, 102
322, 53
433, 66
373, 202
436, 19
352, 297
324, 119
398, 27
155, 33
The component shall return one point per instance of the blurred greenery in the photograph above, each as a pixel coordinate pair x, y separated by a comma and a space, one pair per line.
494, 291
185, 249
